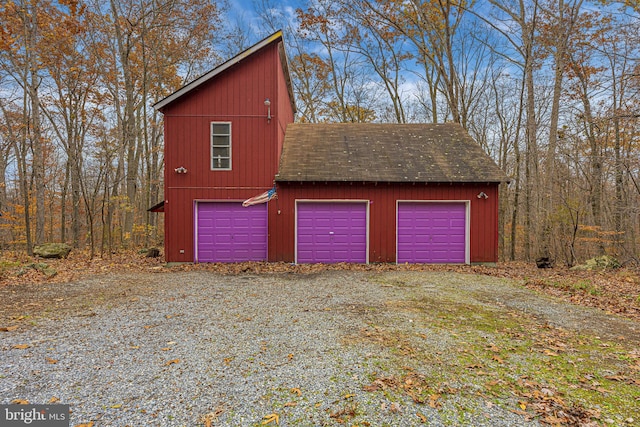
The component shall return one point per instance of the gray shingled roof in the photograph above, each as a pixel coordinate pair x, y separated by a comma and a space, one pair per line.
370, 152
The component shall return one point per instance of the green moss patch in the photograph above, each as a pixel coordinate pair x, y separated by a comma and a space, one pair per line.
508, 357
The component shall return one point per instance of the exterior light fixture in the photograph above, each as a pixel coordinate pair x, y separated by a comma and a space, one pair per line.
181, 169
482, 195
267, 103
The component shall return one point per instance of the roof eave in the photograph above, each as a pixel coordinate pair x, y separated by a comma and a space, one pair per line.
284, 58
158, 207
369, 181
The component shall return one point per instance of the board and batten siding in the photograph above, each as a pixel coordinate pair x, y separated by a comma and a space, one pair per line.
383, 197
235, 96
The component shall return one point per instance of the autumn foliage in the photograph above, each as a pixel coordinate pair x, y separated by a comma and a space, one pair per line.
548, 88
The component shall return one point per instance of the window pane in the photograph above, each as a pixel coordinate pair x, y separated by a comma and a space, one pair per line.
220, 128
220, 141
220, 152
220, 146
220, 162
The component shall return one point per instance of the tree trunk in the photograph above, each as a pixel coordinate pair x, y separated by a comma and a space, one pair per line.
38, 158
563, 26
63, 203
129, 141
619, 202
531, 154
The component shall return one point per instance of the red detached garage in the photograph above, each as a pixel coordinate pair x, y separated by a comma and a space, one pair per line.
426, 193
346, 192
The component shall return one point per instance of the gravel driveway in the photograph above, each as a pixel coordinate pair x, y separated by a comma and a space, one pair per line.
190, 348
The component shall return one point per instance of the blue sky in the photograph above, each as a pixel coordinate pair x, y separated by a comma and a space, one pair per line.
246, 12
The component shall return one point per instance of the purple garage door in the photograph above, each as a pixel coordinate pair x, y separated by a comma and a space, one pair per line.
331, 232
228, 232
432, 232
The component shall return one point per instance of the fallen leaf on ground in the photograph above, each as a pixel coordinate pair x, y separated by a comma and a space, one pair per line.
20, 402
433, 401
267, 419
171, 362
54, 400
51, 361
207, 419
9, 328
21, 346
423, 419
89, 424
296, 391
342, 415
371, 387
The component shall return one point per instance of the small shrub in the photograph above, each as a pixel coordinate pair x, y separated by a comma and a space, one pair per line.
604, 262
586, 286
6, 267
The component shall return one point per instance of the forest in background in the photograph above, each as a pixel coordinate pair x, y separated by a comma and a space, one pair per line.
549, 88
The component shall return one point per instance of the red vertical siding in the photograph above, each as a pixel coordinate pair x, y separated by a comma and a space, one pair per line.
383, 197
237, 96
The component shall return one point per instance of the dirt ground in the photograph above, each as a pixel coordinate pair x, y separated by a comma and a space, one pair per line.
29, 287
459, 319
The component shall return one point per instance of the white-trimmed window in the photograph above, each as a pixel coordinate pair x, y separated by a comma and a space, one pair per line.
220, 146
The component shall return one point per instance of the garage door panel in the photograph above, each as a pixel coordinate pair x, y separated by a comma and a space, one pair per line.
404, 255
322, 223
441, 240
321, 254
405, 222
343, 224
242, 239
305, 222
331, 232
228, 232
227, 222
321, 240
218, 244
431, 232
